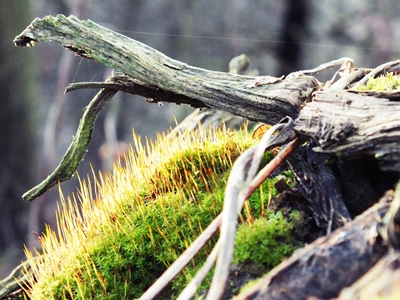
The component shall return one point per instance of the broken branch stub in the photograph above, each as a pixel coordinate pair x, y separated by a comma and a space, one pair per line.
170, 80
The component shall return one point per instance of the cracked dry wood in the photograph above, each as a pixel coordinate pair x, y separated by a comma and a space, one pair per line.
170, 80
354, 125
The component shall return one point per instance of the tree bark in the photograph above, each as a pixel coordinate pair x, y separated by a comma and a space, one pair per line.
354, 125
358, 137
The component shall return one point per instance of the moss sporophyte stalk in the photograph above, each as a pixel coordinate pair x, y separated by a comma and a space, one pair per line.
121, 230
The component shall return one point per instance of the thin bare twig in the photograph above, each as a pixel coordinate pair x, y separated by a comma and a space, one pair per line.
78, 147
238, 187
194, 284
183, 260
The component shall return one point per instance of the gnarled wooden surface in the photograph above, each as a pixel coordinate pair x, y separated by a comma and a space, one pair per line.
354, 125
154, 74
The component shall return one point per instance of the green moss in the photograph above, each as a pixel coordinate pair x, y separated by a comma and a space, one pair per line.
129, 263
145, 215
267, 241
330, 161
290, 178
388, 82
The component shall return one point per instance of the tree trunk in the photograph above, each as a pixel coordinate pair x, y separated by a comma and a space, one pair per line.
17, 132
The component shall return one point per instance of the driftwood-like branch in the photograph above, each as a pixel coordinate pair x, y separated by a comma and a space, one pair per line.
354, 125
164, 79
147, 72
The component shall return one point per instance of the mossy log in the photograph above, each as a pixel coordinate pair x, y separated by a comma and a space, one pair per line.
348, 131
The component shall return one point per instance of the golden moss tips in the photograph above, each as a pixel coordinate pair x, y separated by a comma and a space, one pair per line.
120, 230
190, 161
388, 82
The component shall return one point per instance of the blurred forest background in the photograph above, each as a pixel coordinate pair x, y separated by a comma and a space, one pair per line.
37, 120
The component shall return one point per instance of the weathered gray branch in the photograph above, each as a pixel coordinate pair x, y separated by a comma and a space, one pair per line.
354, 125
154, 75
147, 72
78, 147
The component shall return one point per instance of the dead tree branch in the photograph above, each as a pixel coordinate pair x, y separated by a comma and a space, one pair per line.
154, 75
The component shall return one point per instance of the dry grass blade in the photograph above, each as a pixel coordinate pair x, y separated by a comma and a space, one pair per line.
191, 288
239, 183
182, 261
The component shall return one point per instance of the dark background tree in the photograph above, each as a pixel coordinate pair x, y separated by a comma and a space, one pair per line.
18, 113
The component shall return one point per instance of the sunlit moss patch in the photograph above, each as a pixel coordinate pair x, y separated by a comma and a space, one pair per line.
122, 229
